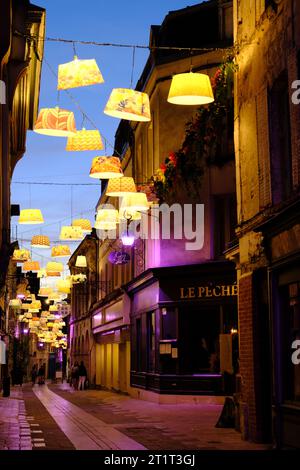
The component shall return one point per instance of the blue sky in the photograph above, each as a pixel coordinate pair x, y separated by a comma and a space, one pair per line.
45, 159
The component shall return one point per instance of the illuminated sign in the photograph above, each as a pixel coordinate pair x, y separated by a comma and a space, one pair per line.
204, 292
119, 257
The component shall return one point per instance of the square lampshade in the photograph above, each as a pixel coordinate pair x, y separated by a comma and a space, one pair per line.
190, 89
134, 202
84, 140
106, 168
60, 251
78, 73
40, 241
118, 187
55, 121
81, 262
31, 217
71, 233
128, 104
84, 224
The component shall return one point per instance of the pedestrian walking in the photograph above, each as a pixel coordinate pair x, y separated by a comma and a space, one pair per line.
75, 375
41, 374
34, 374
82, 376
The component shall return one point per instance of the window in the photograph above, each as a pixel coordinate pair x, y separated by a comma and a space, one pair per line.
151, 341
168, 323
280, 139
138, 345
224, 222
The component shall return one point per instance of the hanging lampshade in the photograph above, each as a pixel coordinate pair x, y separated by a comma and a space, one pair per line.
69, 232
53, 274
78, 73
15, 303
31, 266
84, 224
55, 296
53, 266
84, 140
105, 225
81, 262
40, 241
107, 213
64, 285
129, 215
31, 216
106, 168
190, 89
21, 255
118, 187
128, 104
134, 202
42, 273
53, 308
55, 121
60, 251
45, 291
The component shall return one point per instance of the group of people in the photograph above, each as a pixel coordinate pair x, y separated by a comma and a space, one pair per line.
38, 373
78, 376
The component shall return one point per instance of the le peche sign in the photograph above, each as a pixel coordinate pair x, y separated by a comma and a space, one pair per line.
206, 292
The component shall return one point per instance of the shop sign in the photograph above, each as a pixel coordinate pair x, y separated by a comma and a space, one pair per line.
119, 257
205, 292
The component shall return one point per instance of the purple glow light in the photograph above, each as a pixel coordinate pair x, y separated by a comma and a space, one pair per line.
21, 296
57, 316
41, 344
127, 238
25, 331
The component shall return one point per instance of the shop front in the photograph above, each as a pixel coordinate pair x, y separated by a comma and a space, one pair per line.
184, 332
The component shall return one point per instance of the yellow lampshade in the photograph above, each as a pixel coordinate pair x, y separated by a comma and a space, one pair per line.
64, 285
36, 304
190, 89
55, 121
42, 273
31, 216
53, 308
31, 266
60, 251
129, 215
45, 291
134, 202
53, 266
15, 303
128, 104
118, 187
81, 262
55, 296
106, 168
78, 73
84, 140
84, 224
53, 274
40, 241
69, 232
105, 225
21, 255
106, 218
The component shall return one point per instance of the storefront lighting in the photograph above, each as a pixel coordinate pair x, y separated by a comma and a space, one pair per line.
55, 122
78, 73
125, 103
106, 168
190, 89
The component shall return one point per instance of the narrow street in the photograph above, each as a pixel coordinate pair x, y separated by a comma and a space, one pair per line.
55, 417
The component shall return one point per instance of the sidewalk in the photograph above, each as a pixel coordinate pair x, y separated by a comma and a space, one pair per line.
156, 426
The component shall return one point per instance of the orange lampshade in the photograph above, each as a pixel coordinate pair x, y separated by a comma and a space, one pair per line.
21, 255
31, 266
55, 121
53, 266
78, 73
84, 140
31, 216
53, 273
106, 168
118, 187
40, 241
71, 233
84, 224
45, 291
60, 251
128, 104
190, 89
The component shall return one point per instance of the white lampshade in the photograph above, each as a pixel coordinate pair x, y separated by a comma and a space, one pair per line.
125, 103
134, 202
81, 262
190, 89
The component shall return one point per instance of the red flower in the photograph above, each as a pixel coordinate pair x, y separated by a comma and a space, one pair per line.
173, 158
163, 167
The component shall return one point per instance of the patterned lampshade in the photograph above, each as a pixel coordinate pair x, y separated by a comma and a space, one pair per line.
60, 251
128, 104
84, 224
21, 255
105, 225
53, 266
81, 262
118, 187
106, 168
55, 121
78, 73
84, 140
106, 213
69, 232
190, 89
31, 216
31, 266
40, 241
134, 202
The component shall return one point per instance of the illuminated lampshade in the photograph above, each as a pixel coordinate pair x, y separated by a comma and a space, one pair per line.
45, 291
15, 303
55, 121
134, 202
84, 224
127, 238
78, 73
128, 104
53, 266
106, 213
84, 140
106, 168
53, 274
69, 232
190, 89
42, 273
53, 308
31, 266
60, 251
118, 187
105, 225
29, 314
81, 262
55, 296
21, 255
64, 286
31, 216
40, 241
129, 215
